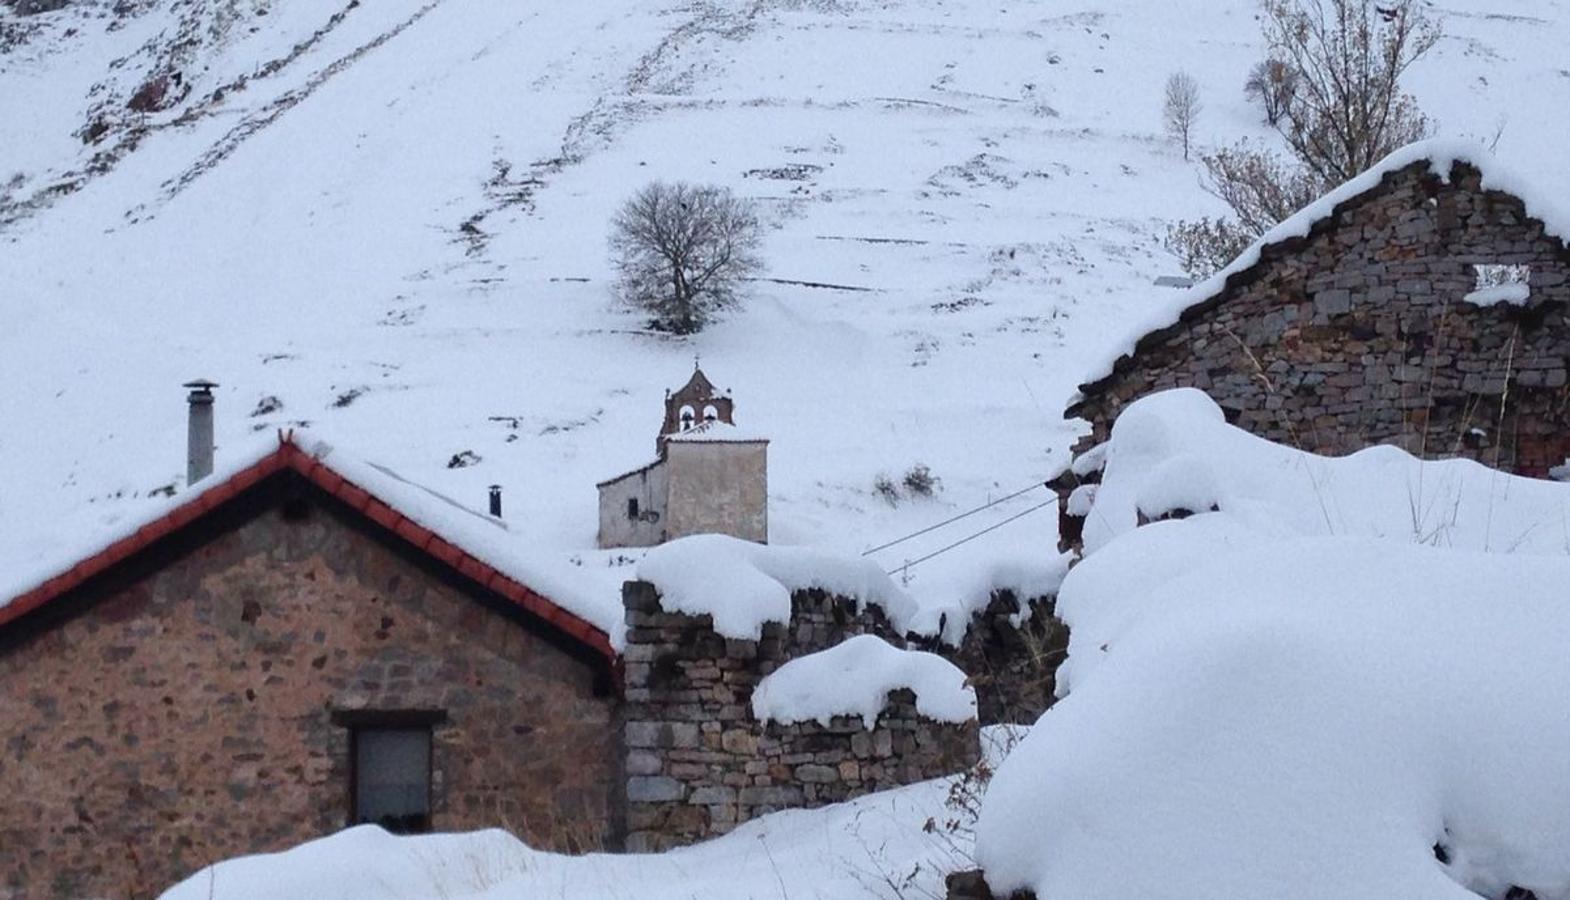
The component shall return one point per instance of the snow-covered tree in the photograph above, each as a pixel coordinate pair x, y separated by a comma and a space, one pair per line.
683, 252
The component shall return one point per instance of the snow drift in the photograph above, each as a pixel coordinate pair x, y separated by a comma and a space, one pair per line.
1336, 684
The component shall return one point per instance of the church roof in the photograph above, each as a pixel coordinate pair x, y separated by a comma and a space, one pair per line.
698, 385
716, 432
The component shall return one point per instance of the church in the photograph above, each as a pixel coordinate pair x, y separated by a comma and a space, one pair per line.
709, 476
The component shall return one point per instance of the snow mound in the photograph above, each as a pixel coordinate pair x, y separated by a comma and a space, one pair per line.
1303, 718
1173, 449
1515, 294
1440, 153
743, 585
855, 677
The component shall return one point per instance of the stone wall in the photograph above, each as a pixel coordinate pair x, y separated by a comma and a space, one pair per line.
186, 709
1013, 667
646, 486
1357, 334
698, 763
717, 487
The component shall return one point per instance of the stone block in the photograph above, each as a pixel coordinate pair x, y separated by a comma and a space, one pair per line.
654, 789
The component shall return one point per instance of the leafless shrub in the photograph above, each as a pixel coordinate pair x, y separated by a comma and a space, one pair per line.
683, 251
884, 487
1259, 186
1181, 108
920, 481
1205, 246
1261, 189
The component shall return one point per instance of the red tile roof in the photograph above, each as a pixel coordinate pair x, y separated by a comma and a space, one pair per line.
291, 457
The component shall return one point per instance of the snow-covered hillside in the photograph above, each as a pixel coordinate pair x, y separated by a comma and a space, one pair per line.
387, 219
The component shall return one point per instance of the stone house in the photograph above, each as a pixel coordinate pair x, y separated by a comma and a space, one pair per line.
709, 477
283, 654
1422, 304
305, 641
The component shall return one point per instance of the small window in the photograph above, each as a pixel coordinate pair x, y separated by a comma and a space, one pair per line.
392, 778
1500, 283
632, 508
710, 414
687, 418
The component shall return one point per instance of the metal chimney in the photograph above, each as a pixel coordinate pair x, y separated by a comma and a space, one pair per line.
496, 500
199, 434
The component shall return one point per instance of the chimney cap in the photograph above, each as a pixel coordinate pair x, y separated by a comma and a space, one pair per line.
201, 384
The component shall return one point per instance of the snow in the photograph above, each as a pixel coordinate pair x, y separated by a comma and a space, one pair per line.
1514, 293
876, 847
1441, 154
717, 432
492, 541
742, 585
45, 561
1300, 694
1174, 449
854, 678
964, 206
1302, 718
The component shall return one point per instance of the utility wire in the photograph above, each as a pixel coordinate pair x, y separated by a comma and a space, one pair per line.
950, 521
966, 540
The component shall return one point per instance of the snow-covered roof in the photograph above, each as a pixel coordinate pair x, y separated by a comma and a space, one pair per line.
1441, 155
628, 474
478, 546
1174, 450
854, 678
714, 431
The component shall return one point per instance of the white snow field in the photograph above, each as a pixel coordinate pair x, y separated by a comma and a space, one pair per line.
1346, 681
395, 228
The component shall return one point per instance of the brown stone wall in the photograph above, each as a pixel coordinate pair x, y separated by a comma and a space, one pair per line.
698, 763
1357, 335
183, 711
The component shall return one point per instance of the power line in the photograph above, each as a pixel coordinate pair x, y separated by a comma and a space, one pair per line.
951, 521
966, 540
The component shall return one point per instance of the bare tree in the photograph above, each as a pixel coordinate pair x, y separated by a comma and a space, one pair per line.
1347, 110
1272, 84
683, 251
1181, 108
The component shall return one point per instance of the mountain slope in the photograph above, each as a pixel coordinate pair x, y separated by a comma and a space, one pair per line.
394, 227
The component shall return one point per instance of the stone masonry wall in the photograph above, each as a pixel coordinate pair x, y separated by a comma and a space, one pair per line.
1013, 667
698, 763
1357, 334
186, 713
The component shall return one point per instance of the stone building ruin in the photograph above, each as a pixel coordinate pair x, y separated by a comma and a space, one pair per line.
1422, 304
